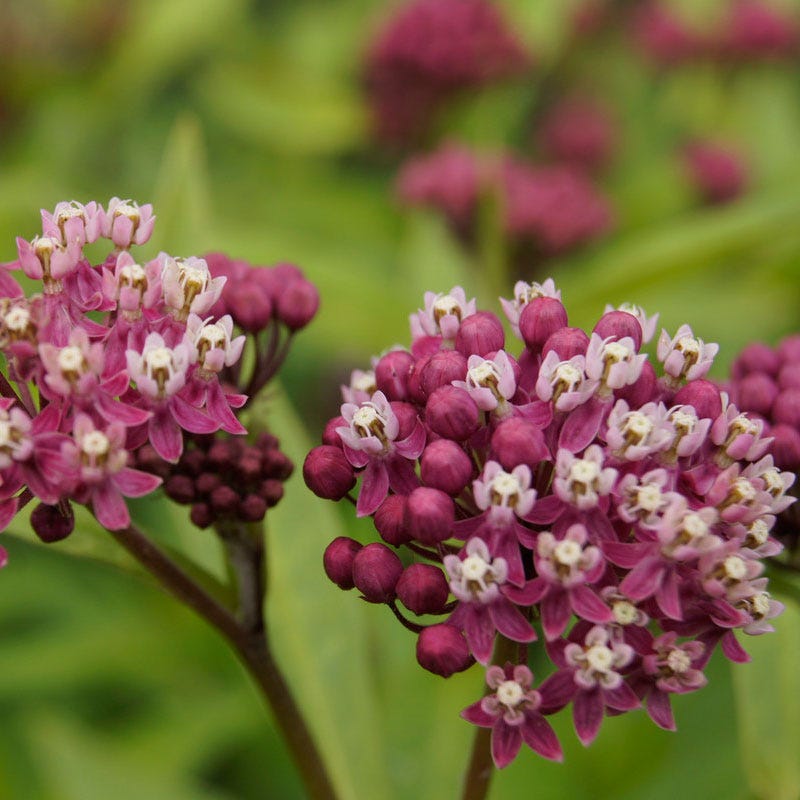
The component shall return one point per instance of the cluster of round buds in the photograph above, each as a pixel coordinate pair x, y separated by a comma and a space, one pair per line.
564, 492
222, 479
430, 50
110, 357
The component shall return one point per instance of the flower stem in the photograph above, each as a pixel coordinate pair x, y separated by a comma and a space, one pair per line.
247, 637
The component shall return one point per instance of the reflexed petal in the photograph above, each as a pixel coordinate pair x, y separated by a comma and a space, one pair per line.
587, 714
660, 710
582, 425
191, 419
556, 611
135, 483
623, 698
109, 507
541, 738
506, 742
586, 604
668, 597
644, 579
374, 488
477, 716
508, 619
557, 690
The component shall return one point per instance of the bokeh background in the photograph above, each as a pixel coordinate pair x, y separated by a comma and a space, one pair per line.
248, 125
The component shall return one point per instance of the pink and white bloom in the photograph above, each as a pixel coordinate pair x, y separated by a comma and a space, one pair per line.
564, 382
685, 357
737, 436
73, 223
490, 382
361, 387
133, 287
442, 315
613, 363
644, 499
188, 286
127, 223
634, 434
46, 259
582, 481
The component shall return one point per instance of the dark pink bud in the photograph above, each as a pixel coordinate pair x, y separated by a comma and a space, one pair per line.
224, 452
415, 391
789, 348
703, 396
201, 515
786, 447
249, 468
252, 508
224, 500
642, 390
567, 342
518, 441
329, 435
620, 324
442, 650
755, 392
338, 561
541, 318
392, 374
789, 376
53, 523
756, 357
180, 488
445, 466
250, 306
407, 418
207, 482
452, 413
150, 461
441, 370
328, 473
298, 303
192, 462
275, 279
719, 174
272, 491
787, 407
390, 520
376, 570
429, 515
276, 464
480, 334
423, 589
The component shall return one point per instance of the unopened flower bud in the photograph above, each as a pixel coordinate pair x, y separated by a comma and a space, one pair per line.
480, 333
445, 466
786, 447
298, 303
390, 520
252, 508
328, 473
703, 396
429, 515
272, 491
224, 500
249, 305
207, 482
338, 560
452, 413
423, 589
407, 418
441, 370
756, 392
756, 357
642, 390
180, 488
201, 515
789, 376
518, 441
376, 570
541, 318
53, 523
620, 324
789, 349
442, 650
329, 435
787, 407
392, 373
567, 342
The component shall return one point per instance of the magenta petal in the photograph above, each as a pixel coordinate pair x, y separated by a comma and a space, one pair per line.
587, 714
582, 425
218, 409
541, 738
539, 412
8, 286
625, 554
374, 488
479, 632
508, 619
413, 444
166, 437
358, 458
556, 612
586, 604
402, 477
545, 510
135, 483
644, 579
557, 690
623, 698
8, 509
114, 411
668, 597
109, 507
660, 710
506, 742
477, 716
532, 592
190, 418
733, 650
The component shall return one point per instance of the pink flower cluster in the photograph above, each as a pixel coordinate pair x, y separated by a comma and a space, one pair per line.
547, 209
565, 493
103, 358
429, 51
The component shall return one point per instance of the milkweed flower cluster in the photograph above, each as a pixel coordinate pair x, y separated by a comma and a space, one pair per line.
104, 359
567, 492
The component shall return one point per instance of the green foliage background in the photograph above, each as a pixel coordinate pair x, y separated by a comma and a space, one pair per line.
243, 123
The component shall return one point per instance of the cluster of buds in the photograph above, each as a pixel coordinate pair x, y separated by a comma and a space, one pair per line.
429, 51
547, 210
107, 358
566, 494
222, 479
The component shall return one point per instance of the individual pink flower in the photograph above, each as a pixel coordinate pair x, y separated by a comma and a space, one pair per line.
46, 259
127, 223
634, 434
73, 223
613, 363
442, 315
582, 481
564, 382
490, 382
188, 286
361, 387
685, 357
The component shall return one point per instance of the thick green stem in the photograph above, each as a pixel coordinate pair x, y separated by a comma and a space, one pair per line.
248, 639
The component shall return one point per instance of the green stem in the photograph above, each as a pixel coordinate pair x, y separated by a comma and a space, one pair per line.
248, 639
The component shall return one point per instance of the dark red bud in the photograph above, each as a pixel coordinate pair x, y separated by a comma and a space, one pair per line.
518, 441
541, 318
252, 508
787, 407
180, 488
789, 349
192, 462
250, 306
620, 324
272, 491
207, 482
390, 520
567, 342
201, 515
443, 650
429, 515
755, 392
789, 376
445, 466
53, 523
703, 396
423, 589
376, 570
756, 357
480, 333
276, 464
224, 500
406, 417
298, 303
338, 560
328, 473
441, 370
329, 435
392, 374
452, 413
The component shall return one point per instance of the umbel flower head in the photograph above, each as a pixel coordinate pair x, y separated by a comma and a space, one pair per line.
85, 400
564, 493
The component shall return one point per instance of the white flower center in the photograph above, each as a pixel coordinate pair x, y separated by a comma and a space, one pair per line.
758, 532
760, 604
743, 491
510, 694
364, 383
212, 335
44, 245
689, 346
600, 658
649, 497
568, 552
504, 488
158, 358
637, 427
132, 275
678, 661
6, 430
529, 292
17, 319
474, 568
127, 209
445, 305
584, 471
694, 526
773, 482
684, 423
95, 443
568, 374
625, 613
484, 373
734, 568
193, 278
615, 352
70, 359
